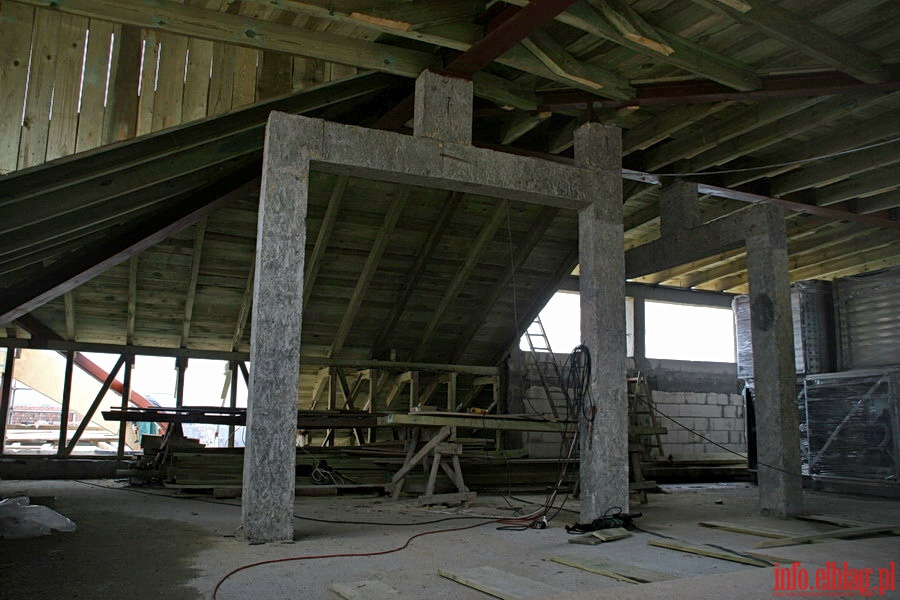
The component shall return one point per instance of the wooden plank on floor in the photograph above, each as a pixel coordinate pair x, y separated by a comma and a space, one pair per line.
844, 532
704, 550
747, 530
15, 44
836, 521
611, 568
369, 589
501, 584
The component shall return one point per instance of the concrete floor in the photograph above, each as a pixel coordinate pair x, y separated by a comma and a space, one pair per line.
149, 543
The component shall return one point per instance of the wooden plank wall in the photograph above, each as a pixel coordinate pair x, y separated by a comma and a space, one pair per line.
70, 84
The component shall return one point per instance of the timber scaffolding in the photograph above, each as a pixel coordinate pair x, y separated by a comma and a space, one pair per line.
328, 463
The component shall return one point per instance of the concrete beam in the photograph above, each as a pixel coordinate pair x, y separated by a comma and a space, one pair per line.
679, 208
443, 108
270, 455
603, 422
423, 161
686, 245
771, 329
662, 293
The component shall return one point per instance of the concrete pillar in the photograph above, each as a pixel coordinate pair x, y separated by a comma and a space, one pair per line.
443, 108
604, 441
771, 329
270, 455
679, 209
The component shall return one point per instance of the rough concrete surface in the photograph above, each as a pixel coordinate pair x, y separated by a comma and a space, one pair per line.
149, 543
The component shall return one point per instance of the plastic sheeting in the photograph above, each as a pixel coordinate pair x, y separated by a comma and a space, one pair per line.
19, 519
813, 318
868, 307
853, 424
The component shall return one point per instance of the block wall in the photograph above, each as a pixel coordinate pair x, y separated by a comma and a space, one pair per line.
717, 416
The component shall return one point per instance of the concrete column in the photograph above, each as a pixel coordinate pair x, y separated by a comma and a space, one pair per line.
6, 394
679, 209
443, 108
771, 329
270, 455
604, 441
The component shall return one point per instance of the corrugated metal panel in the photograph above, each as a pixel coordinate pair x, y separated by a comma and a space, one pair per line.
868, 310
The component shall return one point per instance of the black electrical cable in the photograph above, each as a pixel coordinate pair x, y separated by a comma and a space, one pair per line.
703, 437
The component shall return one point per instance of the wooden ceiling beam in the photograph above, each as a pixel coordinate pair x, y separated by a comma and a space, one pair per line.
521, 123
314, 262
131, 317
580, 74
874, 182
656, 129
197, 255
534, 308
773, 133
687, 55
68, 273
370, 268
853, 134
476, 249
53, 219
805, 85
807, 242
503, 36
535, 235
836, 169
801, 33
243, 315
69, 302
700, 140
206, 140
413, 276
183, 19
878, 203
860, 260
804, 256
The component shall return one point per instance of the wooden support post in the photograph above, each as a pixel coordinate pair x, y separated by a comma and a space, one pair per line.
416, 458
233, 400
413, 390
6, 394
66, 400
181, 364
451, 390
94, 405
126, 396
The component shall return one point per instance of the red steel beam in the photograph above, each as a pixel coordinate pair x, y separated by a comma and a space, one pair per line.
514, 28
507, 29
